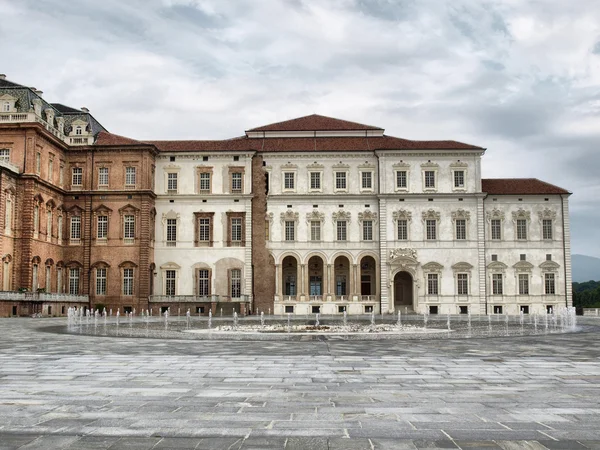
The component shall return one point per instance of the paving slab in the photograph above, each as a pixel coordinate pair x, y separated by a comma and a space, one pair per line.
83, 392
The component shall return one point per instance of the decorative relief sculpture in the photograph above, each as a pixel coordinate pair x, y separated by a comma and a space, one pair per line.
547, 214
399, 253
289, 215
521, 214
494, 214
367, 215
341, 215
315, 215
402, 214
431, 214
461, 214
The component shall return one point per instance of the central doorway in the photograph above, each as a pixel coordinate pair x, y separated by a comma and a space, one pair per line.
403, 290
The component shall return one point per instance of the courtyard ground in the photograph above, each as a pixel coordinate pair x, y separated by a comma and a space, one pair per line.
84, 392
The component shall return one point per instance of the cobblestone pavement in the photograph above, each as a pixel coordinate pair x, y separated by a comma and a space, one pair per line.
83, 392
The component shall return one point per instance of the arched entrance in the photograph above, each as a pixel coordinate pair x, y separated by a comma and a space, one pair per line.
403, 290
342, 277
315, 277
290, 277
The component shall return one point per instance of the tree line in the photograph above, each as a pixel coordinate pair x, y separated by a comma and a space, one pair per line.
587, 294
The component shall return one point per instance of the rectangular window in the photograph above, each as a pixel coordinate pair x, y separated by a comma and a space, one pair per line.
549, 286
170, 282
315, 180
289, 180
341, 230
547, 229
75, 228
171, 232
521, 229
367, 180
101, 281
432, 283
523, 284
462, 283
459, 178
431, 225
236, 283
367, 230
77, 176
4, 154
205, 181
172, 182
461, 229
315, 230
204, 231
203, 283
496, 226
129, 229
402, 229
236, 182
74, 281
130, 176
340, 180
290, 234
103, 176
497, 284
430, 179
401, 179
236, 231
102, 232
127, 281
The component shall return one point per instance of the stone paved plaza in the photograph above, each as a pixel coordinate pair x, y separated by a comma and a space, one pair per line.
83, 392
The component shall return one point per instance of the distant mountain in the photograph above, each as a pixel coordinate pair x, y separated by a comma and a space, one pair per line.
585, 268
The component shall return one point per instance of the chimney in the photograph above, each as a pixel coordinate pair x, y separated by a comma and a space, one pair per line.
36, 90
84, 109
2, 76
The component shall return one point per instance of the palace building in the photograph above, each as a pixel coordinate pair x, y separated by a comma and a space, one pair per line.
309, 215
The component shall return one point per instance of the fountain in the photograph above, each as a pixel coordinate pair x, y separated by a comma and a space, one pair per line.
289, 322
262, 319
399, 321
209, 319
373, 317
166, 314
317, 320
235, 320
345, 318
448, 322
187, 318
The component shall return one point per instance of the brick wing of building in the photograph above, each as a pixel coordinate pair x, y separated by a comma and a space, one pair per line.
309, 215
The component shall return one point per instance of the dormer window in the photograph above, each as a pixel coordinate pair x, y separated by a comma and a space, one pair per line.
5, 106
78, 130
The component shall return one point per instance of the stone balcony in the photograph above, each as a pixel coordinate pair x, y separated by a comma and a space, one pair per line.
42, 297
32, 117
198, 299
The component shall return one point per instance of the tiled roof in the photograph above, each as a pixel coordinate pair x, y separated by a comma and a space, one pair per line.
65, 109
106, 138
7, 83
310, 144
315, 122
519, 186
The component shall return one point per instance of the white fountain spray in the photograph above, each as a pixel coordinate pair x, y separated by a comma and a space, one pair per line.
317, 320
399, 321
209, 319
262, 319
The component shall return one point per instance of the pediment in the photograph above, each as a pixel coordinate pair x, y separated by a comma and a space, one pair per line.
523, 266
433, 267
128, 208
497, 265
462, 267
549, 266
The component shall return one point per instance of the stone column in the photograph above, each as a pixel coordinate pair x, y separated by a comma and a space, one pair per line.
302, 282
356, 281
278, 281
330, 274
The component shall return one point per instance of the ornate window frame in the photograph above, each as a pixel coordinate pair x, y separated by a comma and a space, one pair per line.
461, 214
199, 171
345, 169
211, 226
339, 216
315, 216
495, 214
459, 166
402, 214
171, 169
163, 273
170, 215
401, 167
521, 214
432, 268
289, 216
550, 267
75, 211
130, 210
292, 169
315, 168
366, 168
9, 210
522, 268
122, 267
547, 214
462, 268
101, 210
431, 214
370, 216
495, 268
50, 206
430, 167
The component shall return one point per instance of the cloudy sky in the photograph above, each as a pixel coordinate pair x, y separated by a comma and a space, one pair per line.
521, 78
